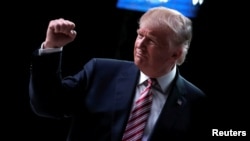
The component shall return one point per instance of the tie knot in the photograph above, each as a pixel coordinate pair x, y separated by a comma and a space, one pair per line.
150, 82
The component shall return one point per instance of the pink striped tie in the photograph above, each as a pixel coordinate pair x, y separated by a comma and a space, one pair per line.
139, 115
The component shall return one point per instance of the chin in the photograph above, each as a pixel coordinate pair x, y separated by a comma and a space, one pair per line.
137, 61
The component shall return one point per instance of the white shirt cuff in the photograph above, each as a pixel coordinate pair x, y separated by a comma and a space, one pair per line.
49, 50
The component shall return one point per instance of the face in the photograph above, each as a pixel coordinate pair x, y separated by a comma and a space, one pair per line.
152, 53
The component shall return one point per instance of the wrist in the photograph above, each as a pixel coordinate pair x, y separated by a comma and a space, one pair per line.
46, 45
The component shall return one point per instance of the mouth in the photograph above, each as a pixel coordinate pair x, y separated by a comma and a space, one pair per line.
139, 54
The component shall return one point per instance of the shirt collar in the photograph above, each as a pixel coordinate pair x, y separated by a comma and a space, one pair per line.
164, 81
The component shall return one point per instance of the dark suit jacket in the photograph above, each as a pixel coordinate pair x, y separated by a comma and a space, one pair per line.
99, 98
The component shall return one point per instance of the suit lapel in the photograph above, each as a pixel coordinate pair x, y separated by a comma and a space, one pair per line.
124, 94
171, 110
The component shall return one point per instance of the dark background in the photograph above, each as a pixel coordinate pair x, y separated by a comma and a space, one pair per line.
217, 61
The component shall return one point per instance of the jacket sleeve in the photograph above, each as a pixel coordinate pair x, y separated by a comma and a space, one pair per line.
51, 95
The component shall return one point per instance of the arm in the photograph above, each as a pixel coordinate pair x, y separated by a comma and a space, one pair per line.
47, 96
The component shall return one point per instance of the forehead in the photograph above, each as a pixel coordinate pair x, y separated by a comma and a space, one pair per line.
154, 32
153, 28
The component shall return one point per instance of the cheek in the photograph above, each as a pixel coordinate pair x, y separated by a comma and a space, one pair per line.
161, 56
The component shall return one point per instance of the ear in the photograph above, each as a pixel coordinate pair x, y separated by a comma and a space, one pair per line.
177, 53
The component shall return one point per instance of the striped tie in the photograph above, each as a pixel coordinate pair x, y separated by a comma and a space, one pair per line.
139, 115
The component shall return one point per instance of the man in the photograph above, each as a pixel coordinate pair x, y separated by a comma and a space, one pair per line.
102, 96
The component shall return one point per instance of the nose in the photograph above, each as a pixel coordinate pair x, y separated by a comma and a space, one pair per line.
141, 43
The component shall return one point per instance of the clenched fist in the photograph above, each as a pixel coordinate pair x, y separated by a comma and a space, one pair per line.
59, 33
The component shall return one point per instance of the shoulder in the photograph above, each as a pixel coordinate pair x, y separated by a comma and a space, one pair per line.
189, 87
106, 62
110, 65
110, 60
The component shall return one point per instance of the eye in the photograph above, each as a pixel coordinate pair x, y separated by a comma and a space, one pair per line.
139, 36
151, 42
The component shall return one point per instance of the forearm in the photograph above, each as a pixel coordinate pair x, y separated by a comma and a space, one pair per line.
45, 85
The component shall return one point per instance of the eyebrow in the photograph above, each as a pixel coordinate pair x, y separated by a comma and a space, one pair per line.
148, 34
